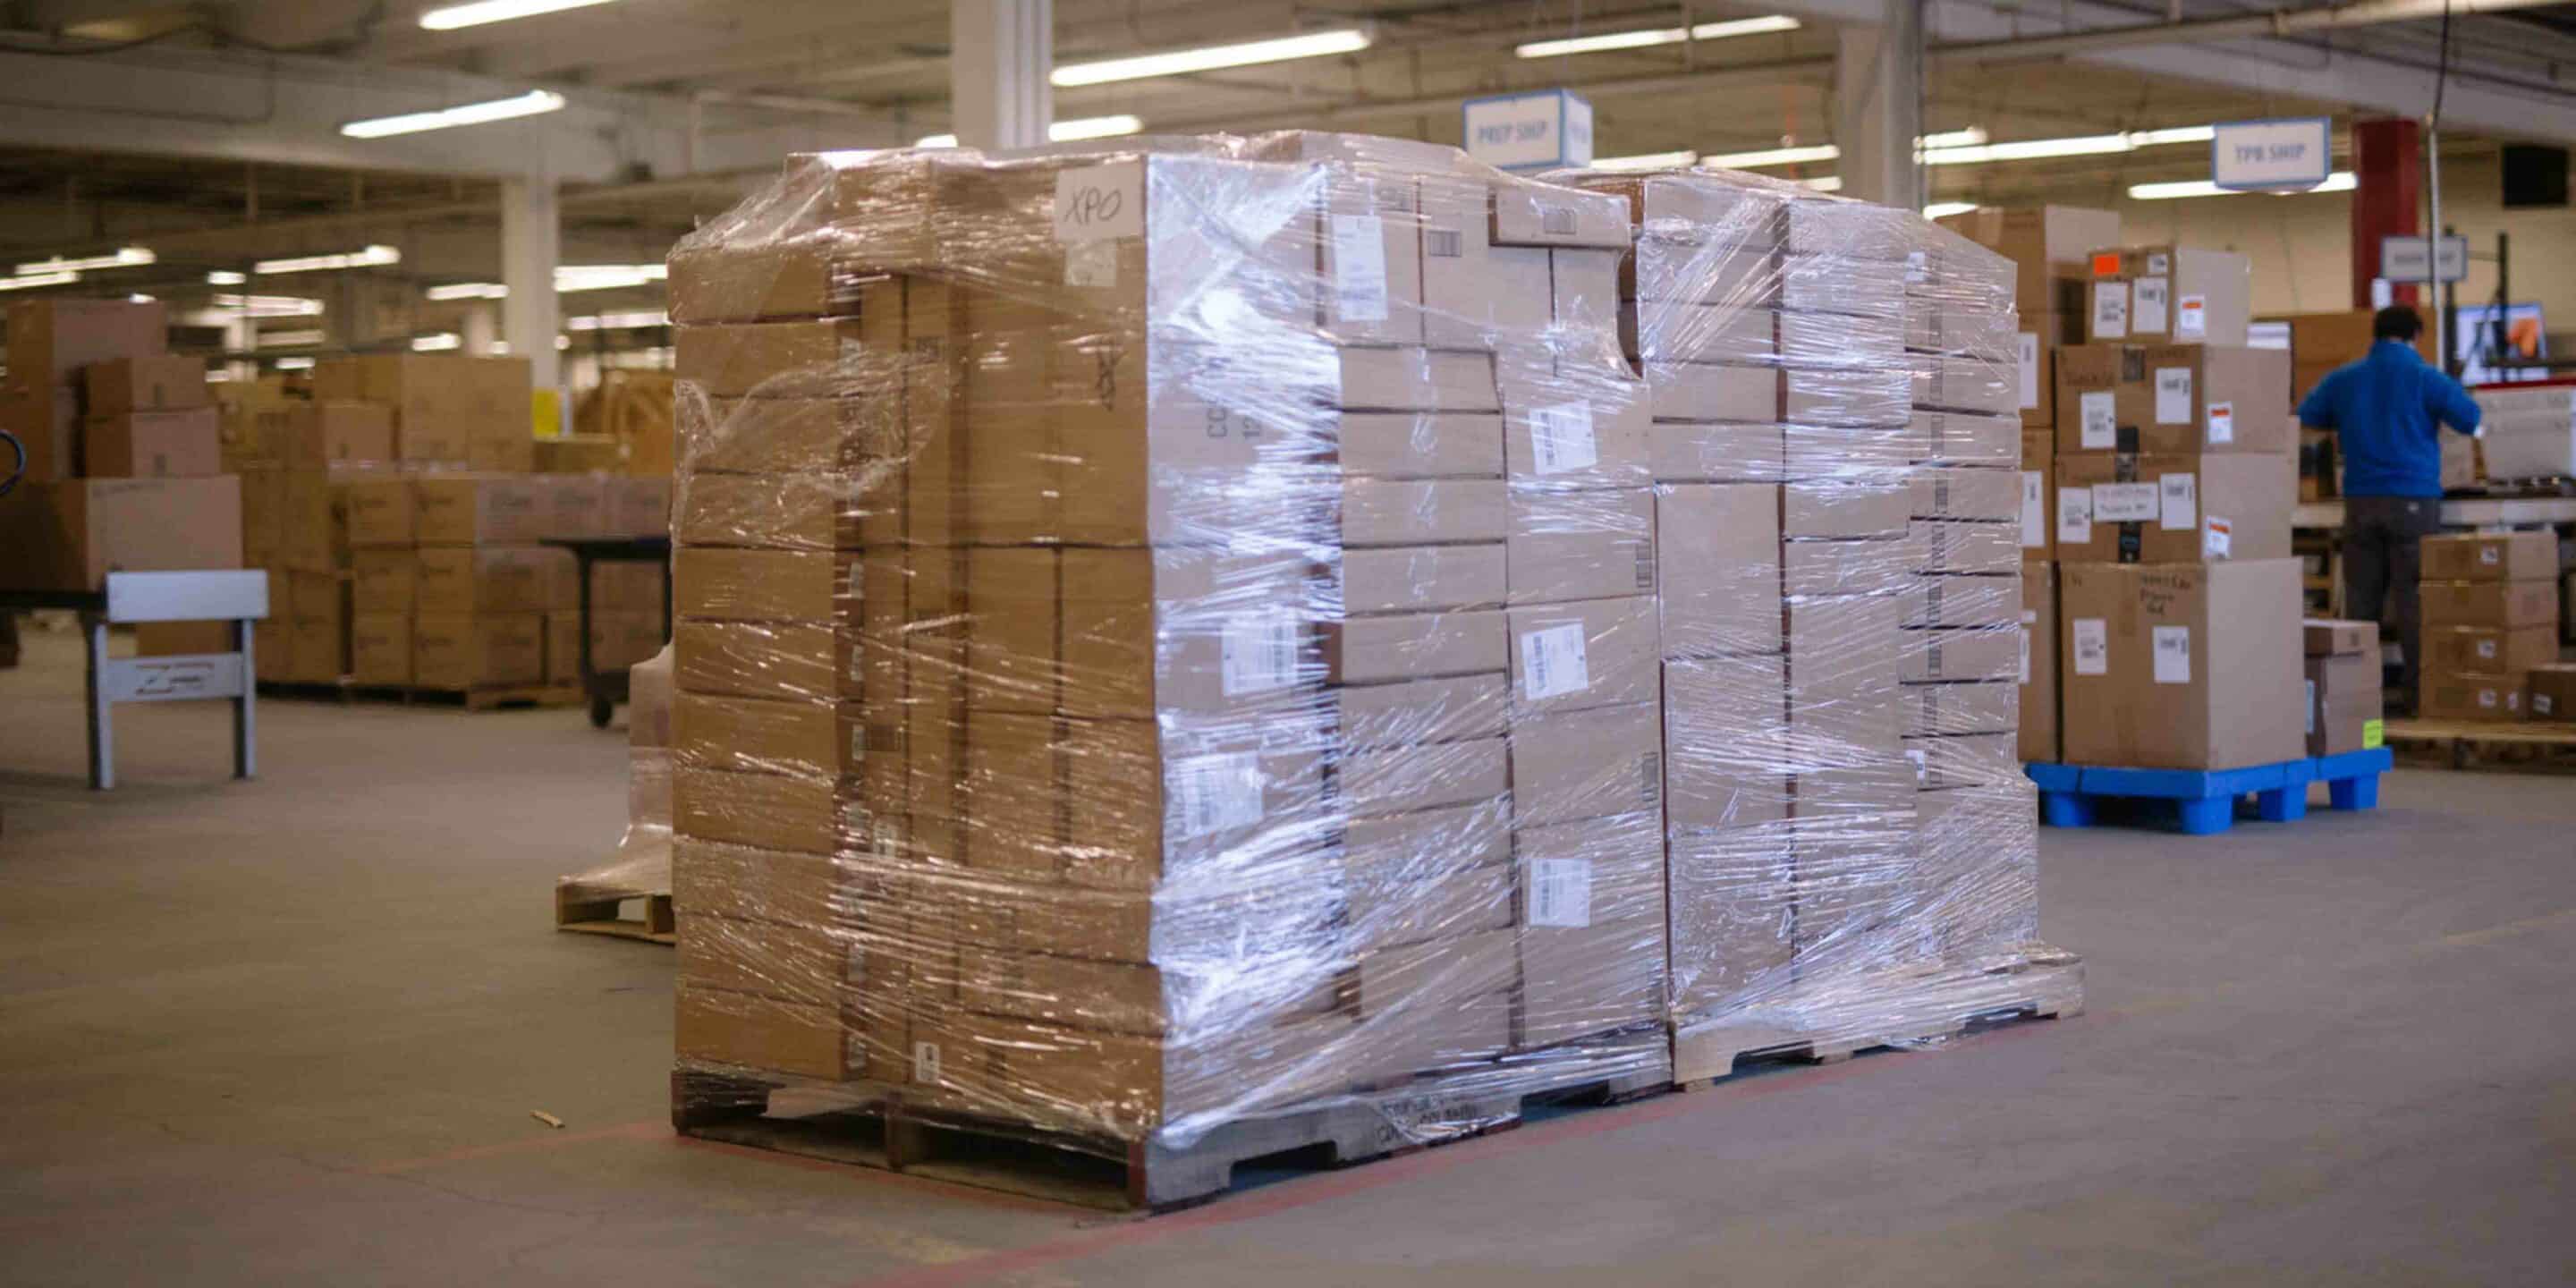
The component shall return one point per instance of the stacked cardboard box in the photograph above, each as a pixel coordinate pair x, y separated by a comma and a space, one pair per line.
2553, 692
444, 408
2050, 248
2344, 712
2490, 605
123, 465
2527, 432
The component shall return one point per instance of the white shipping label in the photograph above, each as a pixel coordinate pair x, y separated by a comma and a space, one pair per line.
1922, 763
2217, 538
2126, 502
1218, 792
2101, 419
1260, 653
1553, 662
2110, 310
2029, 370
2222, 423
2312, 708
2173, 654
1560, 892
2075, 515
2092, 645
2173, 395
2147, 306
2178, 499
1359, 267
1100, 202
2542, 704
2034, 509
2490, 556
2026, 628
1561, 438
2191, 320
2159, 263
1092, 264
925, 1063
2486, 650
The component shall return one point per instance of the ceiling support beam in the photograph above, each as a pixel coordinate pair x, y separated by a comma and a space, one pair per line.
1878, 98
531, 248
1001, 55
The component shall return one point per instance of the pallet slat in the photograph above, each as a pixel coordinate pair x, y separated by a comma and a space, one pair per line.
589, 908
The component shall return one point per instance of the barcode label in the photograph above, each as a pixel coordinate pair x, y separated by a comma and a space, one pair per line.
1560, 892
1561, 438
2217, 538
2177, 498
2101, 419
1553, 662
2173, 395
2191, 321
2173, 654
1556, 221
2222, 422
2025, 648
2110, 310
2147, 306
2490, 556
1218, 792
1645, 565
1442, 243
925, 1062
2034, 509
2075, 515
1359, 267
2092, 645
1260, 653
2029, 370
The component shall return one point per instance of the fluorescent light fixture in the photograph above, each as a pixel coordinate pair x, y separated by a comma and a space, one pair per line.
1181, 62
2028, 149
1940, 209
606, 277
295, 364
483, 11
125, 257
270, 306
2339, 181
437, 343
1649, 37
291, 339
1648, 161
1829, 183
140, 298
226, 277
1968, 137
1080, 127
533, 103
562, 342
2179, 134
33, 280
468, 291
371, 257
1771, 156
626, 321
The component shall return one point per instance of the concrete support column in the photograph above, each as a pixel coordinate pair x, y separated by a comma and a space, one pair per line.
2388, 201
480, 331
1878, 105
531, 246
1000, 53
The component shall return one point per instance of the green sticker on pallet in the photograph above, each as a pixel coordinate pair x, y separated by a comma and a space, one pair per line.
2374, 733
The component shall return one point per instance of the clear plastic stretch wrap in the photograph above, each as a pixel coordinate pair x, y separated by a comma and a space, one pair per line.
1201, 628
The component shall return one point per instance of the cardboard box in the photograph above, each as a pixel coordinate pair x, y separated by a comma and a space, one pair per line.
2502, 556
1724, 598
2171, 399
580, 454
144, 382
802, 737
1414, 646
1580, 545
1408, 579
635, 507
742, 881
49, 341
761, 1033
1965, 545
1967, 759
2343, 703
463, 581
2190, 509
621, 586
1565, 434
2181, 666
380, 649
1938, 437
1960, 599
481, 651
1732, 914
379, 511
475, 510
1421, 711
2050, 246
317, 651
784, 660
1393, 900
315, 596
1600, 652
1725, 742
384, 582
1398, 779
1408, 445
2327, 637
2039, 511
762, 585
1536, 214
2553, 692
1412, 512
2039, 715
619, 640
1718, 453
1965, 492
2176, 293
2506, 604
1576, 764
1592, 927
2488, 650
153, 444
70, 535
2471, 697
318, 434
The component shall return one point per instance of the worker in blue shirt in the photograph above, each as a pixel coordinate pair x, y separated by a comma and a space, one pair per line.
2387, 411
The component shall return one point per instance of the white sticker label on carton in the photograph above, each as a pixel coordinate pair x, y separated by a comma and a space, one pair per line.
2490, 556
1100, 202
2101, 419
1560, 892
2147, 306
1922, 764
2222, 423
2159, 263
2025, 648
2126, 502
2075, 515
2312, 708
2110, 310
1561, 438
925, 1063
1259, 653
2029, 370
2092, 645
2542, 704
1218, 792
2486, 649
2178, 501
2034, 509
2217, 538
2486, 698
2173, 395
2173, 654
1359, 267
2191, 320
858, 744
1553, 662
1092, 264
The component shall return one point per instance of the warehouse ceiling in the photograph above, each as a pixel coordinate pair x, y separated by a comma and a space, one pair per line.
875, 74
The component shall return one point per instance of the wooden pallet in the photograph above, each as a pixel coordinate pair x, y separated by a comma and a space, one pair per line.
1896, 1009
483, 699
594, 908
2473, 744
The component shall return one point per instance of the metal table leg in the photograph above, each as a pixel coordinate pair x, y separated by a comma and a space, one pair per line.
245, 719
102, 726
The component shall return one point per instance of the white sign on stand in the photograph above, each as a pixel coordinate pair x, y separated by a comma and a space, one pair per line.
2292, 153
1544, 129
2405, 259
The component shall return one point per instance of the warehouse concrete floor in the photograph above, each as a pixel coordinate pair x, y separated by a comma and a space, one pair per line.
291, 1031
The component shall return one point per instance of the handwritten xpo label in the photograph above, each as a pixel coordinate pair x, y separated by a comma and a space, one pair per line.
1100, 202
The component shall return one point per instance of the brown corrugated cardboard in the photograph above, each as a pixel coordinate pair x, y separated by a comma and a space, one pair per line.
1732, 913
2488, 650
1560, 434
1976, 707
770, 811
809, 738
380, 649
1963, 384
580, 454
1393, 900
1421, 711
2343, 707
176, 639
145, 382
2326, 637
1965, 545
1951, 438
315, 596
70, 535
771, 659
319, 433
619, 640
1398, 779
2553, 692
1407, 579
1848, 399
635, 507
1584, 289
472, 510
1592, 927
1580, 545
1705, 391
1945, 599
1536, 214
1412, 646
760, 585
1725, 731
1963, 492
1457, 310
2189, 509
51, 340
380, 511
1600, 652
2502, 556
467, 580
2177, 293
1576, 764
1871, 504
2171, 399
472, 652
317, 652
1686, 453
1835, 567
1412, 512
622, 586
2446, 696
2179, 666
741, 881
1724, 598
2039, 664
761, 1033
1422, 444
798, 511
1965, 653
2048, 245
153, 444
563, 648
1964, 760
2507, 604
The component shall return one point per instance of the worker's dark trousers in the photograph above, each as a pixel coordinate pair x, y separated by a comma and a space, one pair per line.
2383, 555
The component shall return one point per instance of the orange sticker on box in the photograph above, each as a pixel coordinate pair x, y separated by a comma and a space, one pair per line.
2106, 264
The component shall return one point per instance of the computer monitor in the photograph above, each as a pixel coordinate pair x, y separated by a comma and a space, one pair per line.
2474, 344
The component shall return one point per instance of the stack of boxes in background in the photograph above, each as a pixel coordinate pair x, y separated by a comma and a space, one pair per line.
2490, 606
2343, 687
124, 467
2527, 433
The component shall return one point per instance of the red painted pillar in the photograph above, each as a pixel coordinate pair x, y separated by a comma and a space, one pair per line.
2388, 160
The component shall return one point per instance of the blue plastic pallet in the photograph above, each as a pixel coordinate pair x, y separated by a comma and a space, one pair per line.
2207, 798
